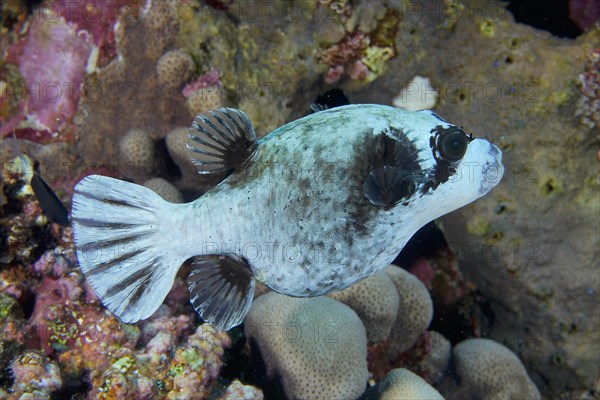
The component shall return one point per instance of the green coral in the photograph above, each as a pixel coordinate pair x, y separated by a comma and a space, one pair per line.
9, 308
191, 356
385, 33
478, 227
124, 364
375, 59
487, 28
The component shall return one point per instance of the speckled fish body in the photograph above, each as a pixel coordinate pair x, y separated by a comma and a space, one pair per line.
321, 203
299, 213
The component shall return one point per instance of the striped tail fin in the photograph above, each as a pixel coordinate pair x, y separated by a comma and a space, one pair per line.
123, 241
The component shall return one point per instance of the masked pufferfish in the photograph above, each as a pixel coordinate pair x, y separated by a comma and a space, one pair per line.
314, 207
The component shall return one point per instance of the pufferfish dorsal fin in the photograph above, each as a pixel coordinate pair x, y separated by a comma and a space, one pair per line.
221, 290
221, 140
396, 172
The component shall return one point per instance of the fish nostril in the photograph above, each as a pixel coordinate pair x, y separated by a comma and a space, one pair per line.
494, 150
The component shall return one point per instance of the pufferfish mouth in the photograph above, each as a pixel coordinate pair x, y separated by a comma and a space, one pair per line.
492, 171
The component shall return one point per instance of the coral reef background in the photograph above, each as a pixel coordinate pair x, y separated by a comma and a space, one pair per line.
110, 87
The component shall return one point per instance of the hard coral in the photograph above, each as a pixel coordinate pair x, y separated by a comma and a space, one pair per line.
127, 94
165, 189
317, 346
414, 313
588, 105
36, 377
238, 391
195, 366
402, 384
489, 371
174, 68
345, 54
190, 179
434, 364
160, 19
376, 301
137, 155
204, 99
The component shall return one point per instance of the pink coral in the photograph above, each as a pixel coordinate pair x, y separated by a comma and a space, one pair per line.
196, 365
358, 70
53, 62
35, 376
98, 17
238, 391
585, 13
588, 105
422, 269
62, 321
187, 370
175, 325
211, 78
345, 56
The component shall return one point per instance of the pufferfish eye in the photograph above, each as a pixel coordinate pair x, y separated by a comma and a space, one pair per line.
453, 145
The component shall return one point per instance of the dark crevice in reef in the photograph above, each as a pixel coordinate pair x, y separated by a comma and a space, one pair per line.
172, 172
427, 242
457, 321
74, 390
550, 15
32, 4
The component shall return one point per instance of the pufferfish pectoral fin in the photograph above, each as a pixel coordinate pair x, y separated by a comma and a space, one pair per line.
387, 186
396, 173
221, 140
221, 290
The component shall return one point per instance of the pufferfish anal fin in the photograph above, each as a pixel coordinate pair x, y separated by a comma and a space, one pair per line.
221, 141
221, 290
396, 172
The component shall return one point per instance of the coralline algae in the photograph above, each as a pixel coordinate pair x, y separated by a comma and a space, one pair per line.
52, 62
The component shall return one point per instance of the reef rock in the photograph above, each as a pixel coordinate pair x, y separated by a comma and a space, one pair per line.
531, 246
